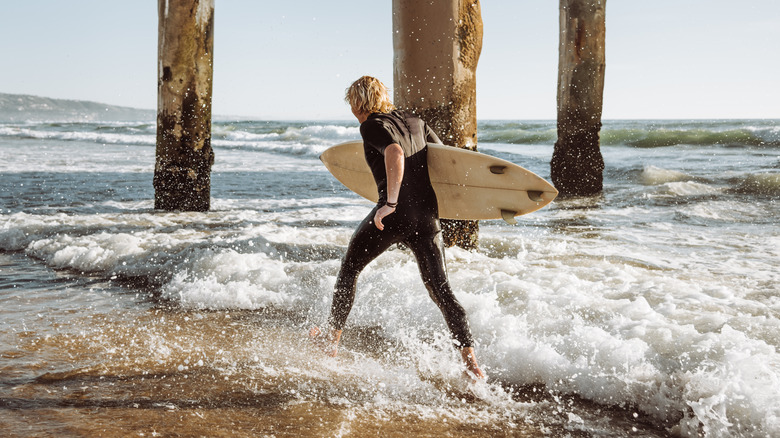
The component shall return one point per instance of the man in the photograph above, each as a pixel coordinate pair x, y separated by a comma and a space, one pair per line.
395, 147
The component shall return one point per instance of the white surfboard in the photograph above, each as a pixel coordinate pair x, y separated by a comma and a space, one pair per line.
468, 185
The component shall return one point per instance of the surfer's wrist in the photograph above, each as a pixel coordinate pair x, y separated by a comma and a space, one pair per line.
391, 204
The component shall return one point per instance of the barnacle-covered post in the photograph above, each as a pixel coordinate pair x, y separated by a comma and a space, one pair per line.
436, 49
182, 172
577, 165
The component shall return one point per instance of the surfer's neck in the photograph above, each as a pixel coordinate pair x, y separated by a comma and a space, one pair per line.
362, 116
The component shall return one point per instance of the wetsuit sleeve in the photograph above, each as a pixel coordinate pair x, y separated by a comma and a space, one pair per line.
431, 136
376, 135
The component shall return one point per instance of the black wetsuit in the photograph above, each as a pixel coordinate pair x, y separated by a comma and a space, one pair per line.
415, 221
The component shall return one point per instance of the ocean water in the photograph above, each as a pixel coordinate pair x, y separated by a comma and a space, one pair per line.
652, 310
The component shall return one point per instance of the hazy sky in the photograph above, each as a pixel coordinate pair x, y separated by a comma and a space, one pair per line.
293, 59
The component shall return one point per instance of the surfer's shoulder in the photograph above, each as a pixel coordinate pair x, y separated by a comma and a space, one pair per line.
376, 124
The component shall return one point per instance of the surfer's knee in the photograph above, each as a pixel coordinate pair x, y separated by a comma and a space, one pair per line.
440, 292
349, 272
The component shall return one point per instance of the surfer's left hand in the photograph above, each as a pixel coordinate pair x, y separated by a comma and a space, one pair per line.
382, 213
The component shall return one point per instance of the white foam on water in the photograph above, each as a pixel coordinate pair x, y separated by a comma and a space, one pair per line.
307, 141
680, 343
679, 334
56, 158
294, 142
140, 159
613, 331
723, 210
295, 149
229, 280
306, 134
86, 136
652, 175
687, 188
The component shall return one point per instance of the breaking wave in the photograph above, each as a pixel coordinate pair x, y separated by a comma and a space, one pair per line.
643, 134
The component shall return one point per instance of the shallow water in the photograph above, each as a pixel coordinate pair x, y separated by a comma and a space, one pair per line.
86, 357
648, 311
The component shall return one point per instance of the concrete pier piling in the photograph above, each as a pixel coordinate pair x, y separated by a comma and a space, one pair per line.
437, 47
182, 174
577, 165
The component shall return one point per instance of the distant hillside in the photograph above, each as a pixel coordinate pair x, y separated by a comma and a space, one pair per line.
22, 107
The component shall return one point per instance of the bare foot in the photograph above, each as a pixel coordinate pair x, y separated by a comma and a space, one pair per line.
329, 344
470, 359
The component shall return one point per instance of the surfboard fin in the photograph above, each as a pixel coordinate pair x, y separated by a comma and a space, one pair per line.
498, 170
509, 217
535, 195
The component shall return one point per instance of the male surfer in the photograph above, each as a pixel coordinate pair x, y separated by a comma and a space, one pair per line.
394, 143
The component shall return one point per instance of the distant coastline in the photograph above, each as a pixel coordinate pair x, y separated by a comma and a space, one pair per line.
15, 108
23, 107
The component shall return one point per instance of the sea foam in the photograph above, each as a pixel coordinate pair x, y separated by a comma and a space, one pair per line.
557, 311
652, 175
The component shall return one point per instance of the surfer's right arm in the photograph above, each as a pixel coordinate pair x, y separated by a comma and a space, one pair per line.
431, 136
394, 168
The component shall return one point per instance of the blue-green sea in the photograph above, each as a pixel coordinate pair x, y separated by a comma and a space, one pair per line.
651, 310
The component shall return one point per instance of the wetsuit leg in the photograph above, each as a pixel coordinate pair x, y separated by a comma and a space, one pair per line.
367, 243
428, 249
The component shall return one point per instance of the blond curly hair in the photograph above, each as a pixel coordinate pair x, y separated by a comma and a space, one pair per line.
369, 95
